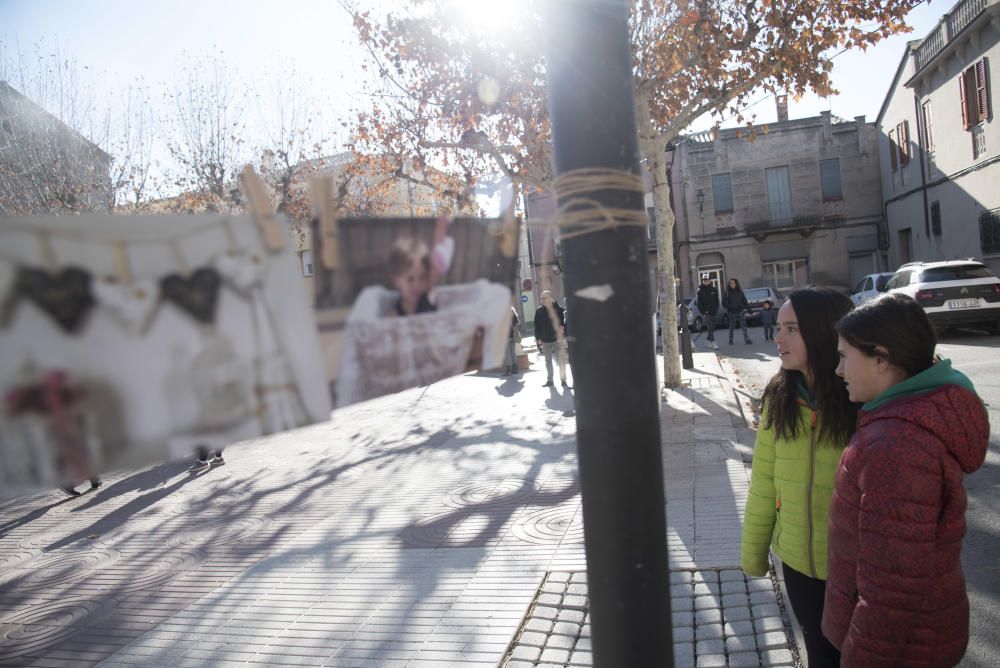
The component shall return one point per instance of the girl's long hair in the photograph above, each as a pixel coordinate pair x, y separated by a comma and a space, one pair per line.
895, 328
817, 311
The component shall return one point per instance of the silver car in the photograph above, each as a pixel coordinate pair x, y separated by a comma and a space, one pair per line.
696, 319
870, 287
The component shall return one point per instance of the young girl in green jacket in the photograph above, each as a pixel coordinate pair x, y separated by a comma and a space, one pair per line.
806, 423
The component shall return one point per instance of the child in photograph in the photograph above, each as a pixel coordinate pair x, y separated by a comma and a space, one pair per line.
414, 270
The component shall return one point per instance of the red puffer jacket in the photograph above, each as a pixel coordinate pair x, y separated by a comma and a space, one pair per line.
896, 593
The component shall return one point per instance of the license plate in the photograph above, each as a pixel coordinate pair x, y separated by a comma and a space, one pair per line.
963, 303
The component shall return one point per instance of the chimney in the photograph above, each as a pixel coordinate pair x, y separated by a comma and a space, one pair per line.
781, 101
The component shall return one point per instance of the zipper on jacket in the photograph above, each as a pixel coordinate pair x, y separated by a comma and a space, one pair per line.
809, 493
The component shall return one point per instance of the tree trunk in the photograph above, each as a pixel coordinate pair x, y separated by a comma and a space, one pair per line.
653, 147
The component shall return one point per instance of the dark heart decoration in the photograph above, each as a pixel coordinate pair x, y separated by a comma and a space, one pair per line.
65, 295
197, 294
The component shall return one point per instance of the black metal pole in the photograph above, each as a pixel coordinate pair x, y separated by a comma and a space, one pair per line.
618, 437
687, 359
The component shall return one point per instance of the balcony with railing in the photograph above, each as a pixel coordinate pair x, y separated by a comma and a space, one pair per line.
953, 23
762, 220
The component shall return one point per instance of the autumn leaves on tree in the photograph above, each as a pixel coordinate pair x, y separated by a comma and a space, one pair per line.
470, 98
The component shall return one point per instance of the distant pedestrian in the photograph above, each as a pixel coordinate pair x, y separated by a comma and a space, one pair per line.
896, 594
513, 337
708, 306
806, 423
549, 335
737, 307
768, 316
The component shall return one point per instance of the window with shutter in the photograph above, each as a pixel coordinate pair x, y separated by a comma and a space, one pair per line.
829, 177
928, 126
903, 135
963, 101
989, 231
982, 90
722, 192
892, 149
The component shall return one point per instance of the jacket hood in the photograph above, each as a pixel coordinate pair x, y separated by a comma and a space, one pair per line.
941, 401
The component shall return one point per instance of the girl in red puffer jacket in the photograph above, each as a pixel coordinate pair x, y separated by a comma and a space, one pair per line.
895, 593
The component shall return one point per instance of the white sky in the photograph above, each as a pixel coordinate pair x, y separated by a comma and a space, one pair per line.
125, 39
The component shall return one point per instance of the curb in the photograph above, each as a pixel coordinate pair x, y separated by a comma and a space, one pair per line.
750, 405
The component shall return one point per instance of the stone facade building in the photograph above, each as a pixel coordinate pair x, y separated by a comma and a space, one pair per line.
797, 202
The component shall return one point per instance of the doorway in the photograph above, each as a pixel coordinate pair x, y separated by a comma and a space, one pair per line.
905, 237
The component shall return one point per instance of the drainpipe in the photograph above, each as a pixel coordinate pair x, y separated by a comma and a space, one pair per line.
923, 175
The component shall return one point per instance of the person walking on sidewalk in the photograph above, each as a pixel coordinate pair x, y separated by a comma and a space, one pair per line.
513, 337
737, 307
896, 594
806, 423
708, 306
549, 335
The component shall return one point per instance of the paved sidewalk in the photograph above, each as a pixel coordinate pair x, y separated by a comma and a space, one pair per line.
437, 527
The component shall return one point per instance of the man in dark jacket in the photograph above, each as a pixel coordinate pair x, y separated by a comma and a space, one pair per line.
548, 337
708, 306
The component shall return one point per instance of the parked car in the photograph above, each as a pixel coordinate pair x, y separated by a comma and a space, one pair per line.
953, 293
870, 287
756, 298
696, 319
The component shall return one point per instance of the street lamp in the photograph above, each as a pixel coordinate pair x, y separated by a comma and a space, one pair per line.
687, 360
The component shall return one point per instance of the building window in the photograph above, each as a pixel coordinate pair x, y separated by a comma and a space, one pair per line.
936, 218
903, 139
829, 176
989, 231
978, 141
779, 195
785, 274
892, 149
307, 263
928, 125
722, 192
974, 93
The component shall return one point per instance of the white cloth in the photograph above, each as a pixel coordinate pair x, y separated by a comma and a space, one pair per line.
384, 353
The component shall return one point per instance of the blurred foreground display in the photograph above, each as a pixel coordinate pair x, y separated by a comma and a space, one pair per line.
126, 340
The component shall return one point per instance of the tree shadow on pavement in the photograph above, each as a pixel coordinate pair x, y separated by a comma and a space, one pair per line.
159, 540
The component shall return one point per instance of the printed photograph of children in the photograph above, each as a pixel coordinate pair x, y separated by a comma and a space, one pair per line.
413, 301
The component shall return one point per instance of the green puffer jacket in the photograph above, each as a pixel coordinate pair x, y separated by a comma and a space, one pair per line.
789, 500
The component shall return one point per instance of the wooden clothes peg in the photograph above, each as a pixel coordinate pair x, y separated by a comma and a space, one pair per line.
260, 207
508, 233
329, 240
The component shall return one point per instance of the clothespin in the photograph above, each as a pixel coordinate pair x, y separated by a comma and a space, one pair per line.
260, 207
508, 233
329, 240
121, 262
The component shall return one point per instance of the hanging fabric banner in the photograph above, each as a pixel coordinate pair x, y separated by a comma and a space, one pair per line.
405, 302
128, 340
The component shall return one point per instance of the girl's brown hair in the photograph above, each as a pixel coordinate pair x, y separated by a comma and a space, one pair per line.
896, 323
817, 311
